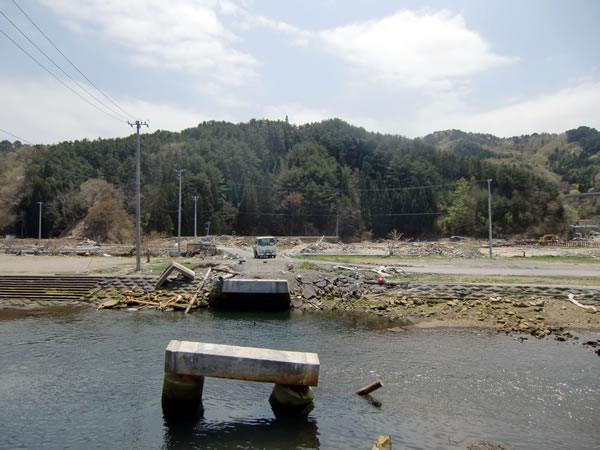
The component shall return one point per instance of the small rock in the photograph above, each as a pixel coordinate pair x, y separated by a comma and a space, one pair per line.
537, 303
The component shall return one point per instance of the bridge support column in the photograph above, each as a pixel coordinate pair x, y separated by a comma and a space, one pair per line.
287, 399
181, 394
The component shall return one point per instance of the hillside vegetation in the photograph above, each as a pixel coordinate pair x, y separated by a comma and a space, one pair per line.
271, 177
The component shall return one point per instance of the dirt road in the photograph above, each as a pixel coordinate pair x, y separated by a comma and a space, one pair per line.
44, 265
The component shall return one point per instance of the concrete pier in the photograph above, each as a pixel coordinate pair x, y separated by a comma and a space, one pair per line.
187, 363
255, 287
246, 294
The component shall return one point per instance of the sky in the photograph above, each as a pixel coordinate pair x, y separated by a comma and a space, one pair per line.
410, 68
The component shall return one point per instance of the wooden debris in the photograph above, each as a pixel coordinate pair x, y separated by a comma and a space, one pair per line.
219, 269
571, 298
163, 305
141, 302
188, 273
193, 300
370, 388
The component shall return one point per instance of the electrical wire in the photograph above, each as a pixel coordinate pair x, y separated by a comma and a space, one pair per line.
60, 68
299, 189
70, 62
15, 136
58, 79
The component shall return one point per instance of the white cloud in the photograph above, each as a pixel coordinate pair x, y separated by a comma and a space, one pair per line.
42, 111
184, 35
413, 49
553, 113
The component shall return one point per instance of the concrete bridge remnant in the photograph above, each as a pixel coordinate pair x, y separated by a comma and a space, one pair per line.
188, 363
252, 294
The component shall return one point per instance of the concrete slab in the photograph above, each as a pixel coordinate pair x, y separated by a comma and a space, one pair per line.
242, 286
242, 363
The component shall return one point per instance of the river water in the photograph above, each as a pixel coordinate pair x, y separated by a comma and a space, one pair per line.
80, 378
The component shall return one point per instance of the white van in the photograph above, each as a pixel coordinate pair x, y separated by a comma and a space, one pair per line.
266, 247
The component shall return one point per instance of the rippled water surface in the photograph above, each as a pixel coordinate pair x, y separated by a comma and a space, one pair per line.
80, 378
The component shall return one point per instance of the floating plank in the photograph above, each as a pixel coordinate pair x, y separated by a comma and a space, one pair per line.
242, 363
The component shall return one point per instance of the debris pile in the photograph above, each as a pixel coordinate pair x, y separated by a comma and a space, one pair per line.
158, 300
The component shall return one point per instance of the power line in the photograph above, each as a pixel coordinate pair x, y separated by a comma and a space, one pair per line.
336, 215
58, 79
65, 73
15, 136
70, 62
403, 214
300, 189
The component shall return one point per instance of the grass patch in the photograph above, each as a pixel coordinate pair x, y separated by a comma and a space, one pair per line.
364, 259
565, 259
309, 266
458, 278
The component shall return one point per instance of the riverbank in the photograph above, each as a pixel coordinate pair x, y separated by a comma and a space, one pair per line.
348, 282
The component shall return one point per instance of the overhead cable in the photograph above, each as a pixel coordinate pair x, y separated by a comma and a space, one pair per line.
15, 136
60, 68
70, 62
58, 79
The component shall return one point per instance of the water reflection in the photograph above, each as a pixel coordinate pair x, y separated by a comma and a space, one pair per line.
279, 432
68, 376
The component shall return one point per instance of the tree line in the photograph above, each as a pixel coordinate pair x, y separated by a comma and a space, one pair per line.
271, 177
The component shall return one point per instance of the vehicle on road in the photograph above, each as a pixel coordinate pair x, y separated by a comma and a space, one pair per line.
266, 247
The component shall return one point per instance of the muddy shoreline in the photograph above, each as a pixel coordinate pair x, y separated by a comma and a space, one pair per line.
523, 309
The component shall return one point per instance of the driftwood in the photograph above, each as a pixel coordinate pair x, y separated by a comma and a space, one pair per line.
218, 269
193, 300
141, 302
571, 298
370, 388
163, 305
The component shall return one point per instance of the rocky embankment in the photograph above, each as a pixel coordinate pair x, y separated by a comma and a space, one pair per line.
538, 311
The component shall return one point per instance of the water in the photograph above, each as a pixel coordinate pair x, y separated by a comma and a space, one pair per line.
80, 378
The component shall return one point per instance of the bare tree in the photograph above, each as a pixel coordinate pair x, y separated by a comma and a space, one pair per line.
394, 238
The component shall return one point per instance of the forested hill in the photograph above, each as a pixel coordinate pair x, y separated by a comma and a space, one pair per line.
571, 159
271, 177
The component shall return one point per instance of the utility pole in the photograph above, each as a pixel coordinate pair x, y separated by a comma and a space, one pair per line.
180, 173
137, 124
489, 182
195, 198
40, 225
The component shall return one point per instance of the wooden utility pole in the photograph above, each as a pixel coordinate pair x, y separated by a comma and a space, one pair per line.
138, 263
180, 173
489, 182
195, 198
40, 225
